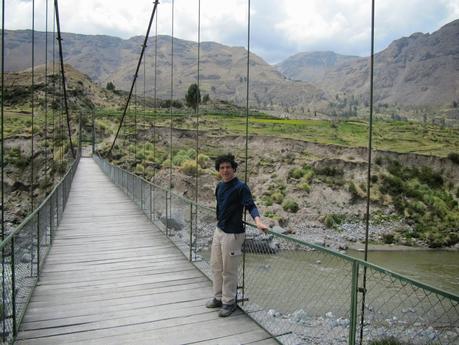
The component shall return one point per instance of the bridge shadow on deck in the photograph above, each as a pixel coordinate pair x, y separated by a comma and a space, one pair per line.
112, 278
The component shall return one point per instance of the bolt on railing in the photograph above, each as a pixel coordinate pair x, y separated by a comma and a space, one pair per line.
303, 293
24, 251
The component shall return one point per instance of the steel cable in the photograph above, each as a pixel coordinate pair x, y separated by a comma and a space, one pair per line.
59, 39
53, 108
246, 138
32, 179
169, 200
198, 100
144, 112
155, 94
370, 143
3, 175
46, 92
135, 75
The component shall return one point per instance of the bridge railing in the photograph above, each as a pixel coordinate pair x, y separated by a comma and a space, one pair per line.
24, 251
303, 293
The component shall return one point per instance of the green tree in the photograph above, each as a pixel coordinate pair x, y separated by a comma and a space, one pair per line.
193, 96
110, 86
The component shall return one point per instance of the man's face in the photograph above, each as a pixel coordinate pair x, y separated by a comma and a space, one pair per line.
226, 171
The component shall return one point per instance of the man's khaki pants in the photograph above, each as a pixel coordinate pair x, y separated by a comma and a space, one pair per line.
224, 259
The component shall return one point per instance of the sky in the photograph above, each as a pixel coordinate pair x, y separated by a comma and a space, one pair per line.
278, 28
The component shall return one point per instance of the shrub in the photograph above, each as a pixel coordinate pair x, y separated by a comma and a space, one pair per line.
14, 156
139, 169
151, 157
60, 166
392, 185
330, 171
273, 216
296, 173
333, 220
308, 175
189, 167
305, 187
394, 167
166, 163
140, 156
378, 161
454, 157
277, 197
290, 205
266, 200
149, 172
203, 161
356, 192
183, 155
430, 178
388, 238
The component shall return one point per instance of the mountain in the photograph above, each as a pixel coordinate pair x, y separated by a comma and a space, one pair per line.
82, 92
311, 66
222, 68
422, 69
419, 70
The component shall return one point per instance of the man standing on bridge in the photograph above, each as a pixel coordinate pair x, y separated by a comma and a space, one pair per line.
232, 196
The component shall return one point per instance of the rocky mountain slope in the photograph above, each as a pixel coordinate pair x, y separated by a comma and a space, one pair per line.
419, 70
312, 66
222, 68
422, 69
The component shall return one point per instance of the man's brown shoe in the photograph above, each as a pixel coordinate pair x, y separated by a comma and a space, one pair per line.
227, 310
214, 303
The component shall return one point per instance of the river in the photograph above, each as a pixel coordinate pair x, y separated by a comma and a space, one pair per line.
438, 268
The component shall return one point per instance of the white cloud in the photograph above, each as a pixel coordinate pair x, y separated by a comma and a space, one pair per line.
279, 28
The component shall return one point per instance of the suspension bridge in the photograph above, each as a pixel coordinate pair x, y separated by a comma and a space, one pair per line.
109, 257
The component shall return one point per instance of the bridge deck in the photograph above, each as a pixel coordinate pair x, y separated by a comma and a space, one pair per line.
112, 278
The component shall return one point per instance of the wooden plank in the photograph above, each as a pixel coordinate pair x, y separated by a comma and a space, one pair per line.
111, 277
257, 336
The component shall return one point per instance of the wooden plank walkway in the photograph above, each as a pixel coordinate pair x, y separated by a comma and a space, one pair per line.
112, 278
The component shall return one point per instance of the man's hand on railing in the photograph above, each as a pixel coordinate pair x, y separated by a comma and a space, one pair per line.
260, 225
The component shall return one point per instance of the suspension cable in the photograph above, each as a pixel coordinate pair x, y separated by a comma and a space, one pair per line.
172, 97
247, 98
198, 96
32, 179
53, 108
246, 136
59, 39
135, 75
144, 112
370, 146
2, 141
155, 96
135, 125
2, 163
2, 155
46, 91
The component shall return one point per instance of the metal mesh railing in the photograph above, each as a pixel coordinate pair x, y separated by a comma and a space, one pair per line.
411, 313
23, 253
303, 293
299, 294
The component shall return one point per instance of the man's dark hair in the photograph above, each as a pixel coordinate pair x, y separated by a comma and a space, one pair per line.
228, 158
